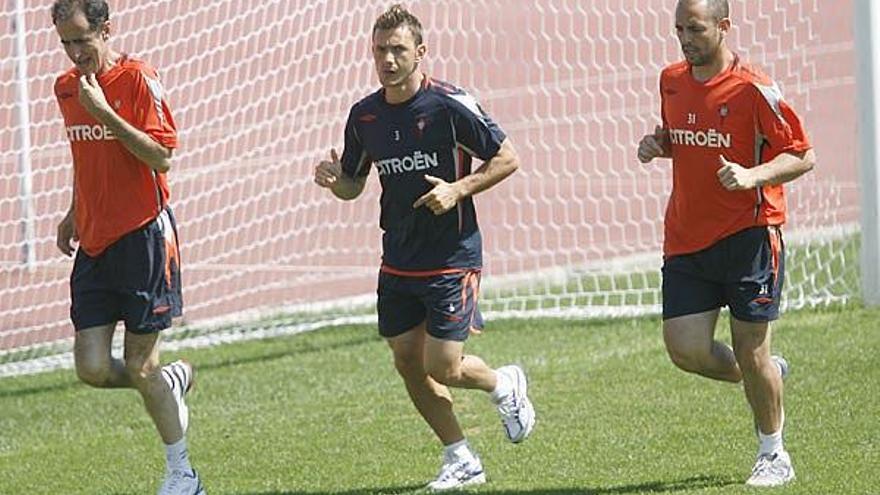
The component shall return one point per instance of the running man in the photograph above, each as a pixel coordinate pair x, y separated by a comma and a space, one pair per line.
733, 142
420, 135
127, 266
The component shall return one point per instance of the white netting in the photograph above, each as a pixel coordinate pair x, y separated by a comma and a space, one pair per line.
260, 92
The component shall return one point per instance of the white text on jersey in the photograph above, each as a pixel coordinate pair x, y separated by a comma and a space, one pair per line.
89, 133
706, 139
418, 161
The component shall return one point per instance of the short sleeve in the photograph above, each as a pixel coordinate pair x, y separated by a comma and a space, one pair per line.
152, 114
355, 161
475, 131
665, 123
778, 123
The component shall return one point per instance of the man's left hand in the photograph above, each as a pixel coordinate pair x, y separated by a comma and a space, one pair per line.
441, 198
735, 177
91, 96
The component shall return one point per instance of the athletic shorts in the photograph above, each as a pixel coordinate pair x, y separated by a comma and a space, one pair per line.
447, 303
136, 280
744, 271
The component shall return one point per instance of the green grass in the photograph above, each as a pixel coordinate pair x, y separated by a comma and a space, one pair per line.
325, 413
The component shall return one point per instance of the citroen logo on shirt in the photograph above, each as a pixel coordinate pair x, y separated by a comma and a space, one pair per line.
395, 135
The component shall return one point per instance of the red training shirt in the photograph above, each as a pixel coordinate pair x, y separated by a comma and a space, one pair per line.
115, 192
739, 113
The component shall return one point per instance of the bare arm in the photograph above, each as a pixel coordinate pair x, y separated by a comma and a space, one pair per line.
785, 167
445, 195
139, 143
655, 145
329, 174
347, 188
66, 230
491, 172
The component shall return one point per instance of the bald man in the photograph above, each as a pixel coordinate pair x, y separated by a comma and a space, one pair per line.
733, 142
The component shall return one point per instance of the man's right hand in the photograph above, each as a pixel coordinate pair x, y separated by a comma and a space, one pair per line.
654, 145
327, 173
67, 234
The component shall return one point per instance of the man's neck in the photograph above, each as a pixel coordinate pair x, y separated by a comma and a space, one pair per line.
721, 62
109, 62
405, 90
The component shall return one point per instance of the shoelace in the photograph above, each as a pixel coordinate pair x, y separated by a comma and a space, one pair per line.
456, 470
175, 478
509, 405
764, 464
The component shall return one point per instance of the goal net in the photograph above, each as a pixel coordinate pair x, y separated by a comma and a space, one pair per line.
261, 90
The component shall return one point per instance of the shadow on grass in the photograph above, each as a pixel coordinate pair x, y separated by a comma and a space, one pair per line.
300, 348
43, 389
686, 485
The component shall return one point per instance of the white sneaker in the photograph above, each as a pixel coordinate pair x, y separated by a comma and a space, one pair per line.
458, 473
182, 483
180, 378
771, 470
782, 364
516, 410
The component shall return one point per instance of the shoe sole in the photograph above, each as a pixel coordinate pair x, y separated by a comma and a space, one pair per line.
770, 485
523, 385
476, 480
189, 386
192, 375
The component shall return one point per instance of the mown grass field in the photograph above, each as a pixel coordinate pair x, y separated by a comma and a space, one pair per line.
325, 413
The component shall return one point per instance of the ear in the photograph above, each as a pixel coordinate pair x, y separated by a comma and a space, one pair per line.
724, 26
421, 51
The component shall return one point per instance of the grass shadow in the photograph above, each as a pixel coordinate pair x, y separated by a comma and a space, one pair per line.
686, 485
210, 364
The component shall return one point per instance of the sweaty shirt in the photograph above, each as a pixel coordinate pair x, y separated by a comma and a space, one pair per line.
436, 132
115, 192
739, 113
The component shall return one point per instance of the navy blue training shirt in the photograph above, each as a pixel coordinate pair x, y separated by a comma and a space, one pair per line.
436, 132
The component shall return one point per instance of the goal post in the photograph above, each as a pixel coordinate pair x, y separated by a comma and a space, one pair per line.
26, 199
867, 29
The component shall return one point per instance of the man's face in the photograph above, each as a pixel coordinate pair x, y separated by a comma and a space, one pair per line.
396, 55
699, 33
86, 48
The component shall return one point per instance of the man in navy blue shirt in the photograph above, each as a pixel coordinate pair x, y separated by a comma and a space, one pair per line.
420, 135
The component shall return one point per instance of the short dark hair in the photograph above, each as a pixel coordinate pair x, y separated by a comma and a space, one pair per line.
97, 12
397, 16
720, 9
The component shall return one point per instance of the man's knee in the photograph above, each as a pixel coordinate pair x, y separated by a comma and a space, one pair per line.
140, 371
751, 345
443, 373
94, 373
686, 359
408, 361
749, 359
685, 354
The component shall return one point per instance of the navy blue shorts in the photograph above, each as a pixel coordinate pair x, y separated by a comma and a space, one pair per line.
136, 280
744, 271
448, 304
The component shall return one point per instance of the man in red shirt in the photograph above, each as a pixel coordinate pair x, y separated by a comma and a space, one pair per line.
733, 142
121, 134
